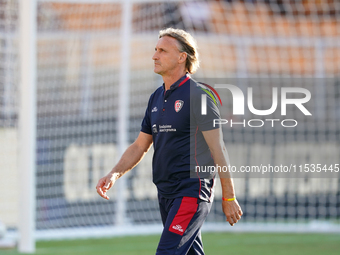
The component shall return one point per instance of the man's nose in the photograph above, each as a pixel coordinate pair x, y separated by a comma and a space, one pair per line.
154, 57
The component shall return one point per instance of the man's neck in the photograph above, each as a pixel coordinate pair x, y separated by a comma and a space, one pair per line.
171, 79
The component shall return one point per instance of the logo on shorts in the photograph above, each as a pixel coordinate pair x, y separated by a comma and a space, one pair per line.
178, 105
178, 228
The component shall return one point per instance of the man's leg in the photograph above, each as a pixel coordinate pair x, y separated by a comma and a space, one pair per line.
164, 207
197, 246
182, 227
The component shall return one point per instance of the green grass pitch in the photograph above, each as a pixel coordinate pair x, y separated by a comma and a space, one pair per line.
214, 243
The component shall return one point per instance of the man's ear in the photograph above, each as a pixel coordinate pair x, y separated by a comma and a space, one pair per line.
182, 57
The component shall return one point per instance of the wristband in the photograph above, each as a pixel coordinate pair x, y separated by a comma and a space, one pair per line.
228, 199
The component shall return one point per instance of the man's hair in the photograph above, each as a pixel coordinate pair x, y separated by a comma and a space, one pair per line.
187, 44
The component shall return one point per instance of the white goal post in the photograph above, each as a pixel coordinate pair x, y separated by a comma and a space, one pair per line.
27, 125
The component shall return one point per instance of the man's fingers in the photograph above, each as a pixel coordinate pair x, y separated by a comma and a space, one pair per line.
100, 183
102, 194
238, 215
235, 218
108, 183
230, 220
106, 186
99, 191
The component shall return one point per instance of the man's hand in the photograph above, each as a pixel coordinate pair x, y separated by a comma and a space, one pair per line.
232, 211
106, 183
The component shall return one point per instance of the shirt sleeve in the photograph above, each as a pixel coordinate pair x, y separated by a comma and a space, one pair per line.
205, 122
146, 126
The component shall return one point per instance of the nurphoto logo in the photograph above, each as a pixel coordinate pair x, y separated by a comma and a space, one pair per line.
239, 105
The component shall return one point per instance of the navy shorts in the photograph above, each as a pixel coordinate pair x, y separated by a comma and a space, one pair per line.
182, 219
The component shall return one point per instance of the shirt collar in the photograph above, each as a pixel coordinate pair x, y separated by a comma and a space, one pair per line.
179, 82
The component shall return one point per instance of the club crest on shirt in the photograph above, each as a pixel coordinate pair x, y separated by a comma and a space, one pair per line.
178, 105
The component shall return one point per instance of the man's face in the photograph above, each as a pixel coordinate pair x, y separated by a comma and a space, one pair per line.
167, 57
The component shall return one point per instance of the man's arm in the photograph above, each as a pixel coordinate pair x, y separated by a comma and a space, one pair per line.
131, 157
231, 209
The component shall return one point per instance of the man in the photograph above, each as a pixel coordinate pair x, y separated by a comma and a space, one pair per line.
182, 138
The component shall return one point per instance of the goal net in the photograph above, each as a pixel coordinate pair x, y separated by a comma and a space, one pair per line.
94, 63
